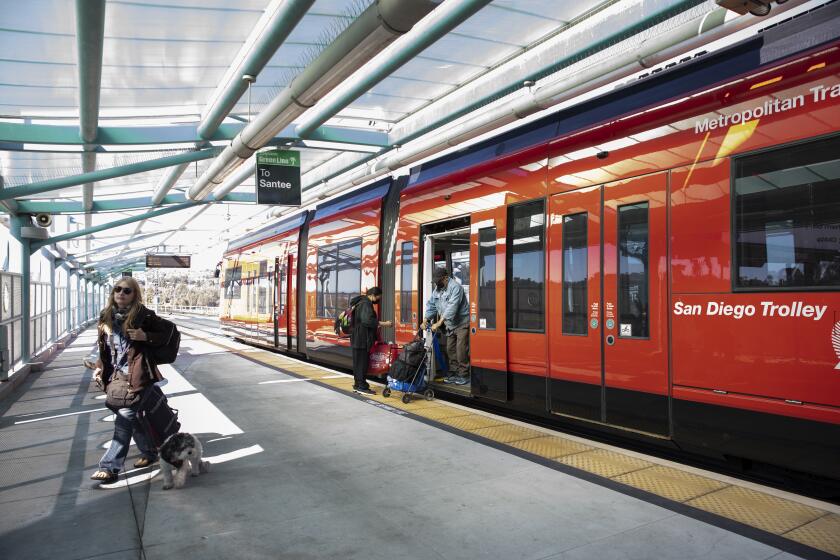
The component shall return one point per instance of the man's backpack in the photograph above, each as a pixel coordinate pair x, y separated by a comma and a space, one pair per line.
167, 352
344, 322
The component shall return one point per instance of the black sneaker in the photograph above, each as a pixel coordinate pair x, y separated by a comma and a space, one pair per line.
364, 390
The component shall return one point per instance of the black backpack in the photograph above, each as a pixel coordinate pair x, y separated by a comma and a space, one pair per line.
167, 352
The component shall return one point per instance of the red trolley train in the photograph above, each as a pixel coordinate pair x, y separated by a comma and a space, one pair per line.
661, 262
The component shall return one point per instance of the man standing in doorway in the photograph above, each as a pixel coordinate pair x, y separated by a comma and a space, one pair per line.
450, 303
364, 325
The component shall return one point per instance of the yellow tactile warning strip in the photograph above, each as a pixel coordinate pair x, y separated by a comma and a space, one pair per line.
550, 447
671, 483
821, 533
811, 526
608, 464
759, 510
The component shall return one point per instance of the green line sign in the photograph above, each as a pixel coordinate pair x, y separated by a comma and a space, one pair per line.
278, 178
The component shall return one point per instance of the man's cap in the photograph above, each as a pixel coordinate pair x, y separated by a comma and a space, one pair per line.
439, 274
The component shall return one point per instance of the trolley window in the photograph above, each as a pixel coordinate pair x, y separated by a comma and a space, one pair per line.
575, 272
526, 267
339, 277
281, 279
406, 281
236, 282
262, 281
787, 217
487, 278
633, 270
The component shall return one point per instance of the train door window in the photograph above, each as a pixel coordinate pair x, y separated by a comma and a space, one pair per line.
633, 271
281, 306
339, 277
349, 262
263, 287
236, 283
526, 267
575, 273
406, 282
487, 278
461, 269
787, 217
325, 298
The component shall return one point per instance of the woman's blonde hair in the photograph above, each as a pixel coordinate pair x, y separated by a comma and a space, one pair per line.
106, 316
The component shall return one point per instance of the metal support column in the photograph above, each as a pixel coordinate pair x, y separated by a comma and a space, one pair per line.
87, 303
18, 222
53, 314
68, 300
78, 300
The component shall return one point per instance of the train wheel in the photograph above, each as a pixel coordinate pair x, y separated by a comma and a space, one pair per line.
429, 394
386, 392
406, 399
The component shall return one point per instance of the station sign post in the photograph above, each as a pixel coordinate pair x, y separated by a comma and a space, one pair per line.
278, 178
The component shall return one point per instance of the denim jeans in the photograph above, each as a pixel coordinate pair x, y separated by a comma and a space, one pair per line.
126, 425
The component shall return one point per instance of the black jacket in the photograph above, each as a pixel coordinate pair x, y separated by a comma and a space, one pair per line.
141, 371
365, 323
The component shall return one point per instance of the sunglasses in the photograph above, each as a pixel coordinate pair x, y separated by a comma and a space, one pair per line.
127, 291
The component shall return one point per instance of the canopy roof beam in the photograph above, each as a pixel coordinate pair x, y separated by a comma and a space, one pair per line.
35, 245
142, 203
104, 174
19, 136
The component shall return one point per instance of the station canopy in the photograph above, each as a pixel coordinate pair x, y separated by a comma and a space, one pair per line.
146, 114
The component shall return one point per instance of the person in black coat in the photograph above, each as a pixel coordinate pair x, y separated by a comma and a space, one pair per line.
363, 335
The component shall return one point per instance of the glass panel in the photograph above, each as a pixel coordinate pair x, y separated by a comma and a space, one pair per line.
325, 298
339, 277
461, 270
487, 278
575, 272
281, 307
633, 270
406, 282
236, 283
526, 267
787, 208
349, 274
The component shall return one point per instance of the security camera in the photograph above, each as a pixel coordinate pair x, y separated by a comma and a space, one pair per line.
43, 220
754, 7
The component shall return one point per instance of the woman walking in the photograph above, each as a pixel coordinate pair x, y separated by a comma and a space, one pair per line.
126, 330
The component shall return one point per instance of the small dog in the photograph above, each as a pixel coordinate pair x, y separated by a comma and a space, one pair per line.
181, 453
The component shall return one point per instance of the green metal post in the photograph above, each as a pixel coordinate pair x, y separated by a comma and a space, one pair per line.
68, 320
456, 12
282, 23
78, 300
87, 303
53, 315
17, 223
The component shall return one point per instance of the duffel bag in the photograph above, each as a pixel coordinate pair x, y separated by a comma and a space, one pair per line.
159, 419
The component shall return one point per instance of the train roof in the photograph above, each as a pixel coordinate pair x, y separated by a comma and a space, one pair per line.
337, 205
267, 232
770, 46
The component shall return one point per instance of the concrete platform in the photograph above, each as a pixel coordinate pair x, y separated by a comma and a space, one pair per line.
301, 471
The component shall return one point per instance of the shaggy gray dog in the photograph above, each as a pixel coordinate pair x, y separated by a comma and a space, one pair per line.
180, 454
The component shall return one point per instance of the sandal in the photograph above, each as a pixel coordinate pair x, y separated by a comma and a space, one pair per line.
105, 477
143, 462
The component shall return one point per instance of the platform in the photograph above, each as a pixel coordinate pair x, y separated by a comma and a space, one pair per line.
303, 468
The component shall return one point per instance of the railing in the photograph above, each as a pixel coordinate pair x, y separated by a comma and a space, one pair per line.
188, 309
